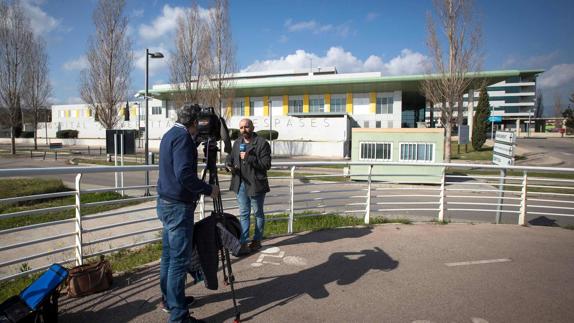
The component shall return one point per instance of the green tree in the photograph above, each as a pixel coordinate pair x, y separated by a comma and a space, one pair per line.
480, 121
568, 114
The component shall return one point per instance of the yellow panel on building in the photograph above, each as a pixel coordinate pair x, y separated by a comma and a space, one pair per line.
373, 102
266, 106
350, 103
306, 103
67, 113
285, 105
247, 107
327, 102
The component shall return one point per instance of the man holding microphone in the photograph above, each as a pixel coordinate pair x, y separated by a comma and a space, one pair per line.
249, 161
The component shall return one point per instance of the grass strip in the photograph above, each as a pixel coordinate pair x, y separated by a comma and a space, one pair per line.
28, 186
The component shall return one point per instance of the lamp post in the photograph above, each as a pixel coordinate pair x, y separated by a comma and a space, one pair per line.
147, 56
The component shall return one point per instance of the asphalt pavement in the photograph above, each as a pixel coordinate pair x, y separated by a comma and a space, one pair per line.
389, 273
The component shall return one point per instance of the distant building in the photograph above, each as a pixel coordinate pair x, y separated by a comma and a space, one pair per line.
314, 111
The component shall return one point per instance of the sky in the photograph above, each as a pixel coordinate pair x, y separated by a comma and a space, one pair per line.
353, 36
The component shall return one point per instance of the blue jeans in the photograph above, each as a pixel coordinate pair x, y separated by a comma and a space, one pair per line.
177, 238
246, 203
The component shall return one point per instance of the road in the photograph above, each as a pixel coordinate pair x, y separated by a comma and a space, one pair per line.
560, 148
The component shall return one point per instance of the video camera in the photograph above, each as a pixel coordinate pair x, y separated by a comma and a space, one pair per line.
210, 126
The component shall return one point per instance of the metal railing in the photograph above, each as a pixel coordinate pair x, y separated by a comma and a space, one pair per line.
458, 193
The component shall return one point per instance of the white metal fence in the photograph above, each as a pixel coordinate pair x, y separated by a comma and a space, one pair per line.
463, 193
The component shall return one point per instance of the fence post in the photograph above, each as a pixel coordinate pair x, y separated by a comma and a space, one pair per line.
202, 207
368, 207
291, 202
522, 217
442, 199
79, 253
500, 195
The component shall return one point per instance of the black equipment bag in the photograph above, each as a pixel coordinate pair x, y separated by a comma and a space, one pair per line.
38, 302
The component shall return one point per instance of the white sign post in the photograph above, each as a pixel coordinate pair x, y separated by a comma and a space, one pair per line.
503, 155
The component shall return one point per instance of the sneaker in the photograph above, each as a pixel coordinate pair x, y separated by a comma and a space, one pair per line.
244, 250
255, 245
189, 299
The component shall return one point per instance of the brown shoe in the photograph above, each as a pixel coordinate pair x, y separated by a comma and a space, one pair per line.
255, 245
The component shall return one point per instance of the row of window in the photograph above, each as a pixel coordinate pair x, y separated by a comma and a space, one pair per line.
383, 151
384, 105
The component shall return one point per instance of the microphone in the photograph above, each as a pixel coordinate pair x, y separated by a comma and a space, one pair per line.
242, 148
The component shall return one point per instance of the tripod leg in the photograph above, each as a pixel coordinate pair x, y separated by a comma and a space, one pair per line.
225, 277
231, 281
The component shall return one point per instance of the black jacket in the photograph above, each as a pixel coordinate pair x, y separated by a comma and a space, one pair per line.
253, 171
209, 236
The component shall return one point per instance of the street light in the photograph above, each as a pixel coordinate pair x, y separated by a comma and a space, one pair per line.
147, 56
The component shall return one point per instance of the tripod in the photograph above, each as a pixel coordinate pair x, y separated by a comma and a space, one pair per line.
210, 151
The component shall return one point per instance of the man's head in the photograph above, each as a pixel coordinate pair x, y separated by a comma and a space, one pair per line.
187, 116
246, 128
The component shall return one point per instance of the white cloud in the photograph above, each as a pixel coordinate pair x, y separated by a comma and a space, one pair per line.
371, 16
535, 61
557, 76
407, 62
155, 64
316, 28
40, 21
79, 63
137, 13
163, 24
167, 22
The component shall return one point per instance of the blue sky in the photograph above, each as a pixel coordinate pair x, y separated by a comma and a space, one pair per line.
354, 36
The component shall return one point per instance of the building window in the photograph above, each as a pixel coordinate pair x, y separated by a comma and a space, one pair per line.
251, 108
316, 105
61, 113
385, 105
381, 151
417, 152
295, 105
155, 110
338, 104
238, 108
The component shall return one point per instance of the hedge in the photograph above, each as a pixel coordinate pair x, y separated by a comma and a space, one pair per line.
67, 134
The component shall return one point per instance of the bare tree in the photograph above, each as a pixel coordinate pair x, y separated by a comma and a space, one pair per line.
38, 87
105, 83
15, 39
190, 63
449, 77
223, 57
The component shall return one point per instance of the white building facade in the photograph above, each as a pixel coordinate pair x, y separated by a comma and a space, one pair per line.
313, 111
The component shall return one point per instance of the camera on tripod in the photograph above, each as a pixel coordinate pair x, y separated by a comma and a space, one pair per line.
210, 127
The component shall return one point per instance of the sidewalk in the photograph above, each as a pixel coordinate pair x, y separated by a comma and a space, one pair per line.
388, 273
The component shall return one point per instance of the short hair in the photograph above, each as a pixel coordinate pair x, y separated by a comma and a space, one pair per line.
187, 114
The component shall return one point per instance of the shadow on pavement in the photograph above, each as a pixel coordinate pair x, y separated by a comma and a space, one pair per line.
343, 268
543, 221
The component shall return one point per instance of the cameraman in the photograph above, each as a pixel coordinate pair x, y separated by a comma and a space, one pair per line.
178, 188
249, 161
